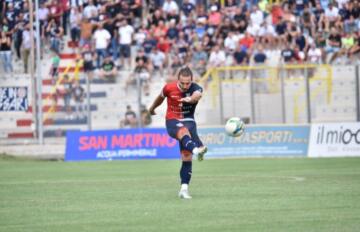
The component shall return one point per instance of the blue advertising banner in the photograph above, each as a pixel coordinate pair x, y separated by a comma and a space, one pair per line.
120, 144
257, 141
14, 99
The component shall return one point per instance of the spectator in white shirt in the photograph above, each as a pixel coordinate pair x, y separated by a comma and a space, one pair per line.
170, 6
101, 38
253, 29
217, 57
331, 13
90, 10
126, 33
158, 59
230, 42
256, 16
314, 54
267, 32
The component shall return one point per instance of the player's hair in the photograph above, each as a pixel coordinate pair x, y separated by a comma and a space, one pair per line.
185, 71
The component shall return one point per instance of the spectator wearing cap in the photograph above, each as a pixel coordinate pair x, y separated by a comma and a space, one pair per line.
126, 33
214, 16
200, 29
101, 39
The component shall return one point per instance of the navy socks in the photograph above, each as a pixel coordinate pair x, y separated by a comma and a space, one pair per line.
188, 143
185, 172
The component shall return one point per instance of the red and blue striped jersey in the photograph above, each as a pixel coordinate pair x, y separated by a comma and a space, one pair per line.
179, 110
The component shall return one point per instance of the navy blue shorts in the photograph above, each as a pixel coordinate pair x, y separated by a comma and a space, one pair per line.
173, 127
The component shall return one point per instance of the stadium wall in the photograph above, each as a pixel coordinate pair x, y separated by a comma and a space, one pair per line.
334, 140
315, 140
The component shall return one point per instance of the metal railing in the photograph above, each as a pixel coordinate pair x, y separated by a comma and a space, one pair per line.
285, 94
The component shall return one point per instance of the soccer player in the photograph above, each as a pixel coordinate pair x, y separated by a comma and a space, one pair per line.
182, 98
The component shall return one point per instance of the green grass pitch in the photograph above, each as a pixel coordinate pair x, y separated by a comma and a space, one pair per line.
228, 195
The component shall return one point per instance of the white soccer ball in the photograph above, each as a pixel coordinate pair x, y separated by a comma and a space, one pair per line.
234, 127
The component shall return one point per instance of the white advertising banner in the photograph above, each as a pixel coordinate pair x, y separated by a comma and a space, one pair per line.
334, 140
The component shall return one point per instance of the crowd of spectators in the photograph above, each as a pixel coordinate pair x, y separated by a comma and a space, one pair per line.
165, 34
195, 32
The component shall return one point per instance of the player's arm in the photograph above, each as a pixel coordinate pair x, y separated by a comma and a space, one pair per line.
194, 98
158, 101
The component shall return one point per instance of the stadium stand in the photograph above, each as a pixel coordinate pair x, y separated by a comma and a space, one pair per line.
76, 36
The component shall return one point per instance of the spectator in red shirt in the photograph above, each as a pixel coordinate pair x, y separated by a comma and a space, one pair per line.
247, 41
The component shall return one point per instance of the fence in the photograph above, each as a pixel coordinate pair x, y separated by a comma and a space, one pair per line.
295, 94
284, 94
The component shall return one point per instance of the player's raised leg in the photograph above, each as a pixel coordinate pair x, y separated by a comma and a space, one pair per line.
201, 150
